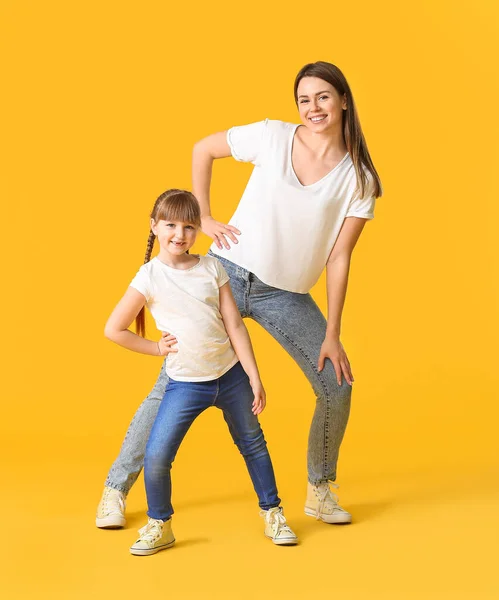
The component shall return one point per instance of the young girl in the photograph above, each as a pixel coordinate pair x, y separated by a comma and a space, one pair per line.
209, 360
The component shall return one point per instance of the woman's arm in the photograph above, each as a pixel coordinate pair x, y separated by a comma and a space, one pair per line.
240, 340
122, 317
204, 153
337, 268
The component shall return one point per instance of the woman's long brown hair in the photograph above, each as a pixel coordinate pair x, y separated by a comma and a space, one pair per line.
175, 206
352, 131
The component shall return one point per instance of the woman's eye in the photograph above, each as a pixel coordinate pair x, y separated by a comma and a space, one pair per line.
323, 98
303, 101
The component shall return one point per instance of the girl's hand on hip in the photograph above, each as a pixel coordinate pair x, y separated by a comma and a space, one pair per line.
260, 399
166, 342
217, 231
333, 349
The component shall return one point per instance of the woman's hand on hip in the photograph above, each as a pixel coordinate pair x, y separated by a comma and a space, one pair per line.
218, 232
333, 349
166, 342
260, 399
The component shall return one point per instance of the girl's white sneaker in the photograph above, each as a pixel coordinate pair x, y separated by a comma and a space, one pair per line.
276, 527
155, 536
323, 504
111, 509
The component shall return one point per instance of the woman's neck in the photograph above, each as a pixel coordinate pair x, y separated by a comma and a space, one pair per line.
326, 144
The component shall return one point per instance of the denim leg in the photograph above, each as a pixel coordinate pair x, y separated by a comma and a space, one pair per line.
182, 403
126, 468
297, 323
235, 398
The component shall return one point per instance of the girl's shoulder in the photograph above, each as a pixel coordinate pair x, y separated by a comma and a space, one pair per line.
209, 262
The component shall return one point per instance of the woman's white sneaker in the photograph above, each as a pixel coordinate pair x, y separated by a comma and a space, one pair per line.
111, 509
276, 527
323, 504
155, 536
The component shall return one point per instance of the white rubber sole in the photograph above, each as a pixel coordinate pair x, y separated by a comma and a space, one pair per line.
149, 551
111, 522
339, 519
284, 541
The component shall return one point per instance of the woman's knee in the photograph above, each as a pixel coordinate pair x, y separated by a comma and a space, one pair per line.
326, 385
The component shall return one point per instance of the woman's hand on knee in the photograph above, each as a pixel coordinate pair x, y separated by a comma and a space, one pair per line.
333, 349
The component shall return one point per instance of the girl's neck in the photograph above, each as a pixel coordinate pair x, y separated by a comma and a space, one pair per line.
178, 261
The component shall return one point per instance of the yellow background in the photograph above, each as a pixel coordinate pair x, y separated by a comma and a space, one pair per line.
102, 103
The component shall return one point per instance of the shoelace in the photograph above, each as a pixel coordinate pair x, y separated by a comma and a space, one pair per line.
277, 521
325, 495
113, 502
152, 531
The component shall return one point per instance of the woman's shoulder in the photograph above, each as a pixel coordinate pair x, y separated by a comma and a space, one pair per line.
280, 127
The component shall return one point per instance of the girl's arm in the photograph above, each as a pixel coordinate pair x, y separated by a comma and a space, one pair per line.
122, 317
337, 268
240, 340
203, 155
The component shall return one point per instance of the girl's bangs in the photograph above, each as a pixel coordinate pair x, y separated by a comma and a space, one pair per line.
179, 208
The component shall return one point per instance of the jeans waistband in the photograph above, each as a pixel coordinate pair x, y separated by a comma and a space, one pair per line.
233, 268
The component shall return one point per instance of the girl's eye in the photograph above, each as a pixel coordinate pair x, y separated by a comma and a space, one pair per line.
170, 224
189, 227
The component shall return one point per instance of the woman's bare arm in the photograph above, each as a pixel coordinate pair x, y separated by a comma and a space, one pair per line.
204, 153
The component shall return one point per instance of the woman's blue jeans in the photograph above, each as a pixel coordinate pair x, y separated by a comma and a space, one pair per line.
297, 323
182, 403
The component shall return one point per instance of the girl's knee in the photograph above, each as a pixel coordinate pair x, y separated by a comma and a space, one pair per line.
253, 446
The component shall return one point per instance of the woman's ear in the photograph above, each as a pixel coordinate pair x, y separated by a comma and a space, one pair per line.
344, 102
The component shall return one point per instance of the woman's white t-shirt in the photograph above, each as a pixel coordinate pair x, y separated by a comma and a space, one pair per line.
186, 303
288, 229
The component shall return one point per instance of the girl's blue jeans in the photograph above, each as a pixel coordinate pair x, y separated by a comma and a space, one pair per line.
297, 323
182, 403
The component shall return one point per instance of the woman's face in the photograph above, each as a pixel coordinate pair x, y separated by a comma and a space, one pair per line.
320, 106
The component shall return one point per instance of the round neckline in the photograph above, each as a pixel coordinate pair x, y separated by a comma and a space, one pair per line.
292, 169
179, 270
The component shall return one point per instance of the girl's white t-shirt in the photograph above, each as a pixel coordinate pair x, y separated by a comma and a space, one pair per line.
288, 229
186, 303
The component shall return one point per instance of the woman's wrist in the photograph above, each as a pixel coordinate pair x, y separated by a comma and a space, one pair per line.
332, 333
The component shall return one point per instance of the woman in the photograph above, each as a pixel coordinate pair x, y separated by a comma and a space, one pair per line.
306, 203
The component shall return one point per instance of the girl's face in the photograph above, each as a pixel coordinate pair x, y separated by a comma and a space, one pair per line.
320, 106
174, 237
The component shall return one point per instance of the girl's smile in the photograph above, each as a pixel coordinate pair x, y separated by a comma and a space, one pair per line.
175, 238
